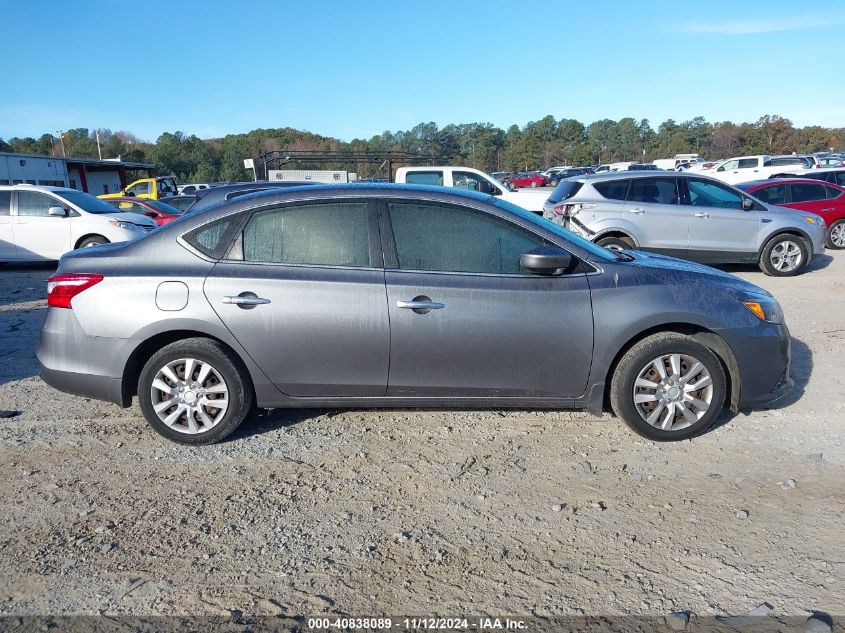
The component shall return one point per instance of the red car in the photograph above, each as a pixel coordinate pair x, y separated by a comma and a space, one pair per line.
803, 194
528, 180
160, 212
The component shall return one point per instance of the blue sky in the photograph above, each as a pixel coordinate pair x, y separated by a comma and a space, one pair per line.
354, 69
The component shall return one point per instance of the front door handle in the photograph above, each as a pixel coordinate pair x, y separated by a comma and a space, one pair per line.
246, 300
702, 215
637, 210
825, 210
420, 305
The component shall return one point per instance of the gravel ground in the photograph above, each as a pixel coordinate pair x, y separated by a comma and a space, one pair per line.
425, 512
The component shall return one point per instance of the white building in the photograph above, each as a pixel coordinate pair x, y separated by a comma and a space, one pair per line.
86, 174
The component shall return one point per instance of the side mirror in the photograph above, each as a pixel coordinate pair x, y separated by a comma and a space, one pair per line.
129, 193
747, 204
57, 211
495, 191
722, 168
546, 260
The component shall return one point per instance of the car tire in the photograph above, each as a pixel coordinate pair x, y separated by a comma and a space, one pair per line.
784, 256
227, 378
835, 238
670, 410
553, 182
616, 243
94, 240
533, 183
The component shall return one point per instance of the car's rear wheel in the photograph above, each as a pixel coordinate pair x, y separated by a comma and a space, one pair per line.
94, 240
194, 391
784, 256
668, 387
533, 183
615, 243
836, 235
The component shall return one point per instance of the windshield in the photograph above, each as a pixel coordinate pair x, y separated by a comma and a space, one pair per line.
87, 202
598, 251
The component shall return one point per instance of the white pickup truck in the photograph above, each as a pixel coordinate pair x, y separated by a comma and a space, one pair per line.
473, 180
747, 168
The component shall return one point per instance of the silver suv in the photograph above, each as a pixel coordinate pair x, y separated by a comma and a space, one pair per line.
688, 216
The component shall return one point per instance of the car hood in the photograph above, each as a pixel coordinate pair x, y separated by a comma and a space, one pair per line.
674, 270
131, 218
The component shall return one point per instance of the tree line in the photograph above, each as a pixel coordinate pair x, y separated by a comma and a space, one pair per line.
536, 145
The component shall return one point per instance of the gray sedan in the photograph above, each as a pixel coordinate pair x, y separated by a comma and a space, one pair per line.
402, 296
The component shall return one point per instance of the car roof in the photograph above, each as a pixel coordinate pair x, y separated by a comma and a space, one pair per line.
756, 184
27, 187
637, 173
325, 190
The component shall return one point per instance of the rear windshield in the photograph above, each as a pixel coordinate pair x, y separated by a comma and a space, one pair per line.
565, 190
164, 208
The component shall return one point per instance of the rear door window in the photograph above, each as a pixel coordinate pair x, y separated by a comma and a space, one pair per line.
424, 178
831, 193
324, 234
840, 178
613, 189
654, 191
5, 202
747, 163
807, 193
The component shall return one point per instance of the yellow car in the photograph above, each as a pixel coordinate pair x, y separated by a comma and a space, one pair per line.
155, 188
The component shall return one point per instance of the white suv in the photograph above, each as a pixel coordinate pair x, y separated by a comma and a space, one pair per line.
44, 223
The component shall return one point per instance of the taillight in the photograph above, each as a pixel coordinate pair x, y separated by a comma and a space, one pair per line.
62, 287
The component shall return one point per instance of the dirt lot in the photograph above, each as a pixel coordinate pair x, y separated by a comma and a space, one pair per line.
425, 512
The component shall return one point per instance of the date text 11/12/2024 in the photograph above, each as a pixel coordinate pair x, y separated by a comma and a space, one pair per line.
417, 624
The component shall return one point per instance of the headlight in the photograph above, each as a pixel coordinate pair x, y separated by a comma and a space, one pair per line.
764, 308
123, 225
814, 220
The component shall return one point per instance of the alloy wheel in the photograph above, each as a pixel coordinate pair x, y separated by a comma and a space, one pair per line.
786, 256
673, 392
190, 396
837, 235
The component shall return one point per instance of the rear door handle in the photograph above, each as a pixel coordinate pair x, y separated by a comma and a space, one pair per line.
831, 209
417, 304
637, 210
702, 215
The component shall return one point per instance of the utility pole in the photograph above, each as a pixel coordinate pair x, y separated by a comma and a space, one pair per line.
62, 139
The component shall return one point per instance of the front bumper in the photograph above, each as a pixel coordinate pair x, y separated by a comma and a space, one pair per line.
73, 362
763, 356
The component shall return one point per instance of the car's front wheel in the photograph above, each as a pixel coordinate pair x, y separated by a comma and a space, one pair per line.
553, 182
194, 391
836, 235
94, 240
616, 243
533, 183
784, 256
668, 387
